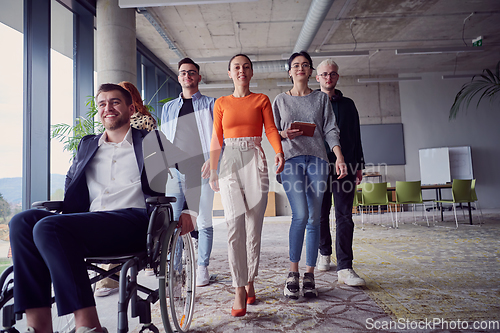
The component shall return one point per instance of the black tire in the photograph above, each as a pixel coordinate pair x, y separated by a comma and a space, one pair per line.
179, 265
163, 277
182, 282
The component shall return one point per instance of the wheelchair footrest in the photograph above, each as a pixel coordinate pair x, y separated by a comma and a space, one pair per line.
142, 309
8, 318
150, 327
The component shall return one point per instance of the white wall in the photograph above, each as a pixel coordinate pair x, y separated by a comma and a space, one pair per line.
425, 108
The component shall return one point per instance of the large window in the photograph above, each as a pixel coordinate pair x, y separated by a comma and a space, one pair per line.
47, 75
11, 113
11, 102
61, 92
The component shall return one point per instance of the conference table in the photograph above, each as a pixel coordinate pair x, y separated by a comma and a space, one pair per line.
438, 188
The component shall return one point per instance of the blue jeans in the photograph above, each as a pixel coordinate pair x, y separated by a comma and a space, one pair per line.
304, 180
177, 187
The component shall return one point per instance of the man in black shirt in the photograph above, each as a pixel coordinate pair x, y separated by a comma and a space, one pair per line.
344, 189
187, 122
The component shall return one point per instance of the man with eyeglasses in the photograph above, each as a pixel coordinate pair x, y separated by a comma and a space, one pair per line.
343, 189
187, 122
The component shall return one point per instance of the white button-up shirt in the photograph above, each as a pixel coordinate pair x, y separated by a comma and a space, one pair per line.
113, 177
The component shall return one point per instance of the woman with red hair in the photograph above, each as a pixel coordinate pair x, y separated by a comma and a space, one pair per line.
142, 118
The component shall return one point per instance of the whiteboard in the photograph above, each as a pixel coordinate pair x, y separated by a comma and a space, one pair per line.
434, 166
461, 163
442, 165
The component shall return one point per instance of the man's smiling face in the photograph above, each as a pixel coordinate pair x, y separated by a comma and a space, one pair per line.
188, 76
113, 111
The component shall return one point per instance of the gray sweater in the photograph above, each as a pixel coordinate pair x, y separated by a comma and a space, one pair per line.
312, 108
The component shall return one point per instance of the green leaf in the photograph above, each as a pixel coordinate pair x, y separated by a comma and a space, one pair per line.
488, 83
70, 136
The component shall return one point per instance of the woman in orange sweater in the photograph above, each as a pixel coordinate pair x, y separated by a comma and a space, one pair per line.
243, 178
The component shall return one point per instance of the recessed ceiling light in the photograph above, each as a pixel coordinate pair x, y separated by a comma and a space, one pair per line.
157, 3
437, 50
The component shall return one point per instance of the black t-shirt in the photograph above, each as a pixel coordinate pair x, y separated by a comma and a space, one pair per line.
187, 136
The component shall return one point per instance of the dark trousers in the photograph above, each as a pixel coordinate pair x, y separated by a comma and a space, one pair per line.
343, 191
48, 247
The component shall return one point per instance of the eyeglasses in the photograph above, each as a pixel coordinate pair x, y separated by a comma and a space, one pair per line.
304, 65
190, 73
332, 74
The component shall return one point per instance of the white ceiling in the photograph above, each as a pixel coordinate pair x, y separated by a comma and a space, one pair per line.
267, 29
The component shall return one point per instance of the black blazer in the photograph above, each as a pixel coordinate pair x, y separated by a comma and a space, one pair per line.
76, 197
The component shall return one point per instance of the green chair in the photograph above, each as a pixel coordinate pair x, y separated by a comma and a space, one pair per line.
410, 193
389, 197
461, 190
475, 201
357, 197
374, 194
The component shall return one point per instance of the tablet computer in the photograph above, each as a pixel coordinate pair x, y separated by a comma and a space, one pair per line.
306, 128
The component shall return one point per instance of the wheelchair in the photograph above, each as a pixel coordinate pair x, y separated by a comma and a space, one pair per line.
170, 255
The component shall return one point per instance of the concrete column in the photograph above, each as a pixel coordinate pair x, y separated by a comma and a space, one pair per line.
116, 43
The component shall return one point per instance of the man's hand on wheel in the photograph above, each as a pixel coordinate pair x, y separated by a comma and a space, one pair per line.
186, 223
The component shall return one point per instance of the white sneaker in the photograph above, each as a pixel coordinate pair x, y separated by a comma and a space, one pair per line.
348, 276
83, 329
323, 263
103, 292
202, 276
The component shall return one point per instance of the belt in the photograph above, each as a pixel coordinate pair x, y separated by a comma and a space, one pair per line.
242, 145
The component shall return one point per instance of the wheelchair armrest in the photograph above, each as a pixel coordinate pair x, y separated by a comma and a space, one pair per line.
48, 205
155, 201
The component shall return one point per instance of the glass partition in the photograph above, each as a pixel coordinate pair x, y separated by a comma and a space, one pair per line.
11, 113
61, 92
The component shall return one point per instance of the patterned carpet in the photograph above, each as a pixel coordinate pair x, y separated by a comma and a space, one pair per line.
417, 272
413, 274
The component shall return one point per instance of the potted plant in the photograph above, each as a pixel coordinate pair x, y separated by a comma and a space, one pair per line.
488, 83
70, 136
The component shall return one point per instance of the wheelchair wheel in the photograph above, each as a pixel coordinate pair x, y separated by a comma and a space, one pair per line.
63, 324
177, 293
7, 317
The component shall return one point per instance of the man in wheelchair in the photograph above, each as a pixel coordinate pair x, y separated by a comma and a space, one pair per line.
104, 214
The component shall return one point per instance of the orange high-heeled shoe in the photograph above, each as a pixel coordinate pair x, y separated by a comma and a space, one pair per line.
251, 299
240, 312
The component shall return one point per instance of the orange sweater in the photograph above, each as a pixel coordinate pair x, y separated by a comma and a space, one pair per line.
242, 117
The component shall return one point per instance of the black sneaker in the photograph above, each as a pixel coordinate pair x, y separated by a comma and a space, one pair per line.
292, 286
308, 286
